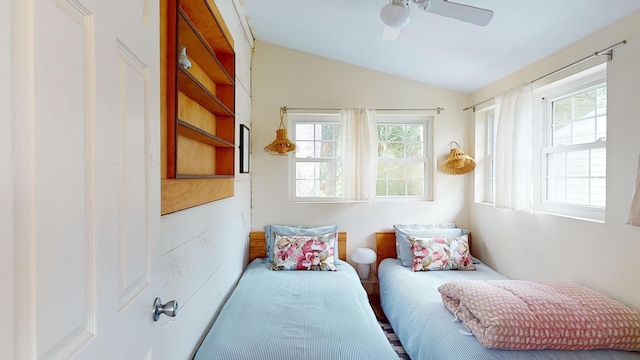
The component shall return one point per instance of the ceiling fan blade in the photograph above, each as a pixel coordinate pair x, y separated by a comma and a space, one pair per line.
461, 12
390, 33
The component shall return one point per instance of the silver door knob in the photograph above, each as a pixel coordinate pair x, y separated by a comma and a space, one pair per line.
169, 309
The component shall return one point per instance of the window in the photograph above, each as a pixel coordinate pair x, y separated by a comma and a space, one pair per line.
484, 178
573, 152
317, 165
571, 168
490, 171
404, 157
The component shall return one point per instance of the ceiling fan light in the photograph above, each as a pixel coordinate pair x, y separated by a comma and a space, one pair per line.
395, 15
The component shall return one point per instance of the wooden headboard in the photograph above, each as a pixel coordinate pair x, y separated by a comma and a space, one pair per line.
386, 245
258, 245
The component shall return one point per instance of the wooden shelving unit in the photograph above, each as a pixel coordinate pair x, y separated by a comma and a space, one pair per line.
194, 89
192, 132
201, 52
199, 121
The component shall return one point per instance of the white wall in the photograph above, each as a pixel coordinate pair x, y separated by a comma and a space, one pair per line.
204, 249
601, 256
6, 183
285, 77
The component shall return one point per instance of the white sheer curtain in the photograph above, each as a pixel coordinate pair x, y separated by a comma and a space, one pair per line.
634, 210
514, 149
360, 154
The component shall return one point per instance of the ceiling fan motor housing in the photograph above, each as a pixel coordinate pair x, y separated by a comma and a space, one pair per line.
396, 14
403, 3
422, 4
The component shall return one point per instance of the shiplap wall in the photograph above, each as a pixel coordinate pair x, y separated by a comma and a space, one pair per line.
205, 248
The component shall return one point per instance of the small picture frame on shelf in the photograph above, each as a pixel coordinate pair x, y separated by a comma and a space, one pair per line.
245, 148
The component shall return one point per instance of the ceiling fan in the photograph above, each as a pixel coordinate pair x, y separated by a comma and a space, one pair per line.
396, 14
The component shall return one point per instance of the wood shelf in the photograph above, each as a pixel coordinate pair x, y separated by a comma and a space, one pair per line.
192, 132
202, 176
209, 23
199, 126
194, 89
179, 194
200, 51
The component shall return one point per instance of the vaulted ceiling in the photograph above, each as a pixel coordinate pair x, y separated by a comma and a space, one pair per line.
434, 49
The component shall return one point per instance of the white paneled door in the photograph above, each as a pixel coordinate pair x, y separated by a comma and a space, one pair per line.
87, 185
6, 185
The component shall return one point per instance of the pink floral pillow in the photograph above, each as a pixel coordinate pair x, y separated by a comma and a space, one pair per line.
296, 252
440, 253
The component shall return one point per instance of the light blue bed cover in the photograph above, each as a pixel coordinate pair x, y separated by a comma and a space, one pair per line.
426, 329
296, 315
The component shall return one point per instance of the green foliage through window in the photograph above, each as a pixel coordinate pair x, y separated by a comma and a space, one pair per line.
401, 160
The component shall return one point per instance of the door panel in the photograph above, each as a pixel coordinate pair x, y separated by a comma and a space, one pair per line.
133, 82
6, 183
87, 178
62, 213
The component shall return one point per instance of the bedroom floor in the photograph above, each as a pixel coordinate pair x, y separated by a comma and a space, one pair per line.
377, 309
393, 339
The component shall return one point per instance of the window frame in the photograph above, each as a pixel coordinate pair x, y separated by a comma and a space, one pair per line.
307, 118
490, 174
545, 147
413, 119
382, 117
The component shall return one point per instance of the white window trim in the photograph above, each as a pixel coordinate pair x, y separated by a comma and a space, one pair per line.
549, 94
490, 163
293, 160
429, 164
381, 117
484, 154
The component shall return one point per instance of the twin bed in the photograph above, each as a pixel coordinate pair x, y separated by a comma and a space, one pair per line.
428, 330
296, 314
327, 315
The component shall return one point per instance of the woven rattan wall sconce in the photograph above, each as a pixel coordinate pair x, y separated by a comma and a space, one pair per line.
458, 162
281, 145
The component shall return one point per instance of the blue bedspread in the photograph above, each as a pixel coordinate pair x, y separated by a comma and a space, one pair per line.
296, 315
426, 329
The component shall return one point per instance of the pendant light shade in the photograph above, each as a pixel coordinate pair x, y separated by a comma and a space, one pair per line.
458, 162
281, 145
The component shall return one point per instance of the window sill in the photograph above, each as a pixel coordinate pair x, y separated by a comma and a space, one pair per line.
573, 217
376, 200
403, 200
597, 220
485, 203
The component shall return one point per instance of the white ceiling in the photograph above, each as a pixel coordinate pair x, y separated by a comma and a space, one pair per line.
434, 49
